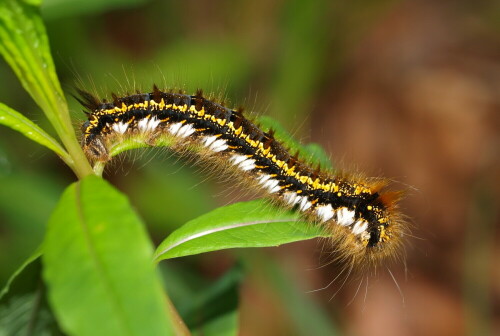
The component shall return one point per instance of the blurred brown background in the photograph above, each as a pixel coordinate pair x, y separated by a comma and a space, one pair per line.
404, 89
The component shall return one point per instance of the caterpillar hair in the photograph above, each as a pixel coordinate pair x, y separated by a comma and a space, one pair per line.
360, 214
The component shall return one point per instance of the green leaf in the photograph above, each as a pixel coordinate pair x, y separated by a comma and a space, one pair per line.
20, 123
209, 308
97, 265
222, 325
312, 152
23, 306
16, 274
247, 224
318, 155
135, 142
214, 311
25, 46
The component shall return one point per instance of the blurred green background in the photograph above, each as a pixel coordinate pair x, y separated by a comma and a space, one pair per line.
403, 89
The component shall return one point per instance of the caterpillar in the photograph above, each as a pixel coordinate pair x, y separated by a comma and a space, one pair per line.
360, 214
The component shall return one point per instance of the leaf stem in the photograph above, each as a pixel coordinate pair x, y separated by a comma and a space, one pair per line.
178, 324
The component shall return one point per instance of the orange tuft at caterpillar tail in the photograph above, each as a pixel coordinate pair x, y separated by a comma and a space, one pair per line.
360, 214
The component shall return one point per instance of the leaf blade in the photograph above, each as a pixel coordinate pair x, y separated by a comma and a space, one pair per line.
214, 310
16, 121
311, 152
23, 306
98, 255
25, 46
26, 49
245, 224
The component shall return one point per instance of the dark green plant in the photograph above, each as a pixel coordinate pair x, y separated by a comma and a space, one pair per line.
95, 273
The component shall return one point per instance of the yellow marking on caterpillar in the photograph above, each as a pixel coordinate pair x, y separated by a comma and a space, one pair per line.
205, 122
383, 234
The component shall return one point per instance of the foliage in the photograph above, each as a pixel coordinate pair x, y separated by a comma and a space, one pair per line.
95, 273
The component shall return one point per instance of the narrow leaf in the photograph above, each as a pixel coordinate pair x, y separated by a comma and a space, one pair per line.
247, 224
23, 306
311, 152
25, 46
97, 265
15, 276
217, 301
209, 308
223, 325
20, 123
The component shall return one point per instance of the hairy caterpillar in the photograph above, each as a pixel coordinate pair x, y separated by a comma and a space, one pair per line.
360, 214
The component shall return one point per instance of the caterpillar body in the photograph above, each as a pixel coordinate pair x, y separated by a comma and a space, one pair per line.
359, 214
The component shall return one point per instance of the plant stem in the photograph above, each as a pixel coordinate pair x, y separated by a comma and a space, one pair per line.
178, 324
80, 164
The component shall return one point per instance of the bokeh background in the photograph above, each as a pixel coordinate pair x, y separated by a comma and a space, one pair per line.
405, 89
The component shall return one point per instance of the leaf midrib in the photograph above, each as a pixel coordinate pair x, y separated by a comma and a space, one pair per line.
101, 269
219, 229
